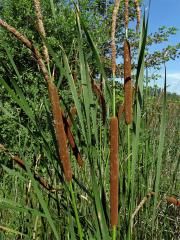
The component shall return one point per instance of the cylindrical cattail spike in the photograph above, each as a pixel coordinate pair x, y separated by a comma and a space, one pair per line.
121, 110
60, 131
73, 112
97, 90
127, 83
72, 142
114, 171
18, 161
138, 14
173, 201
43, 182
126, 14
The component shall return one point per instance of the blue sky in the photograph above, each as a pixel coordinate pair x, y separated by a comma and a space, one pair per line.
167, 13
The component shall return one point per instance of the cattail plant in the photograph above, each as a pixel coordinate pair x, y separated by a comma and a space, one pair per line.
127, 69
54, 98
60, 131
121, 110
114, 165
127, 83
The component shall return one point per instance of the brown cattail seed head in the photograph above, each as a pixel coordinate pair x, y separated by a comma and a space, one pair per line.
97, 90
173, 201
127, 83
114, 171
72, 143
121, 110
73, 112
60, 132
74, 147
19, 161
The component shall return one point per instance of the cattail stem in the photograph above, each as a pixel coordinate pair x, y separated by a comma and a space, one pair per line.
127, 83
129, 155
114, 171
114, 233
114, 166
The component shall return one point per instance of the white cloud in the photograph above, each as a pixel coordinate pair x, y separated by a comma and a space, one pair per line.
175, 76
173, 80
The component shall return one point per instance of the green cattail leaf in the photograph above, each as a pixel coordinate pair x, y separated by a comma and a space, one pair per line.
160, 151
84, 83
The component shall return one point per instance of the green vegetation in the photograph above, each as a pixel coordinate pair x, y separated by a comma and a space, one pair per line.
59, 105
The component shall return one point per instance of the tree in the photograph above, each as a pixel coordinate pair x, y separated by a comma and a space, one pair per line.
97, 16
